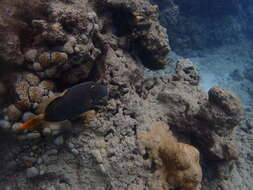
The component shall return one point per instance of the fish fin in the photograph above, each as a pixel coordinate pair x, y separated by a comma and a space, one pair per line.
64, 92
44, 104
32, 123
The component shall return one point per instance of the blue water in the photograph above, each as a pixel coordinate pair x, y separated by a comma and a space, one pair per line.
217, 36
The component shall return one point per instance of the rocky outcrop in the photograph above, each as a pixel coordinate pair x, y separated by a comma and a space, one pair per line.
187, 71
142, 27
210, 118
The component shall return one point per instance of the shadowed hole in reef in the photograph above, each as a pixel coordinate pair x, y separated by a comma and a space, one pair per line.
8, 78
27, 12
122, 20
145, 56
124, 24
176, 188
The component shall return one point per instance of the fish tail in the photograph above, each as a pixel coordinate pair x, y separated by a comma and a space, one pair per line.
32, 123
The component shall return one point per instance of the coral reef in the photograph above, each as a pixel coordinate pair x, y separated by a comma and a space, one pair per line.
179, 162
70, 42
142, 28
189, 110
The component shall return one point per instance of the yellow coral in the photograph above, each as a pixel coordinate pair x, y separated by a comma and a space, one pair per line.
178, 162
58, 57
44, 59
89, 115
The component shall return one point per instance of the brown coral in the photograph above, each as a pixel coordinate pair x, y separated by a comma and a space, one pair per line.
178, 162
142, 27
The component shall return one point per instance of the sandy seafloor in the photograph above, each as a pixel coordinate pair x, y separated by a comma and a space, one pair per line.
216, 66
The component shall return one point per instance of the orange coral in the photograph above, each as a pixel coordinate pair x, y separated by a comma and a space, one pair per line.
58, 57
178, 162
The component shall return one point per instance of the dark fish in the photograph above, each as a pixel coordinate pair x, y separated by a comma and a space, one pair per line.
73, 102
76, 100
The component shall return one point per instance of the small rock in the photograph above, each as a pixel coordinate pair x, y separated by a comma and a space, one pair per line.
33, 136
15, 126
227, 100
32, 172
64, 186
70, 145
52, 152
37, 66
248, 109
100, 144
59, 140
42, 172
92, 15
27, 116
97, 155
5, 125
102, 168
39, 161
249, 123
35, 105
69, 46
90, 27
13, 113
31, 55
47, 131
77, 49
56, 132
96, 27
84, 38
54, 127
45, 159
74, 151
50, 188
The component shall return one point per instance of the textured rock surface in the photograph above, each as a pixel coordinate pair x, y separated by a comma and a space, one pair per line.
141, 26
83, 40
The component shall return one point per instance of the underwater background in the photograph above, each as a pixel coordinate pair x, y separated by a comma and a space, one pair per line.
217, 37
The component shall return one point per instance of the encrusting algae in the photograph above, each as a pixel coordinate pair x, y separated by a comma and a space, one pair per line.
71, 103
178, 163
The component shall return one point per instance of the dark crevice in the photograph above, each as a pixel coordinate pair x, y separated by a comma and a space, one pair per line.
8, 77
145, 56
123, 21
146, 155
